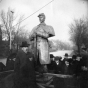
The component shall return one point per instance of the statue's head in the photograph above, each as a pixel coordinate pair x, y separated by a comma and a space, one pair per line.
41, 17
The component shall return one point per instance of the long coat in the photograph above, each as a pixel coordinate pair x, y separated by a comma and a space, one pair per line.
40, 35
24, 71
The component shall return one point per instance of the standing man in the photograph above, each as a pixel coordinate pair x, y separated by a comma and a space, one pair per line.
84, 68
24, 68
39, 35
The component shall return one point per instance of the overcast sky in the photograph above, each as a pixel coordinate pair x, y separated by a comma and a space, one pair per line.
59, 13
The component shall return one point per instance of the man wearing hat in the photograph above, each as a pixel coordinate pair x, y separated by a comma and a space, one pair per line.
40, 35
24, 68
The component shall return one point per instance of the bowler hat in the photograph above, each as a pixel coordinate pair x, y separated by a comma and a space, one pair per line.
41, 14
66, 54
24, 44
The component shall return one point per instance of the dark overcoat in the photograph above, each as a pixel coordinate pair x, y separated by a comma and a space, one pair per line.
24, 71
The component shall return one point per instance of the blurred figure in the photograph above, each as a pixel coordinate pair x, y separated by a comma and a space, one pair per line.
73, 64
11, 56
66, 56
52, 57
58, 64
84, 67
74, 57
24, 68
52, 65
78, 65
66, 68
2, 67
10, 65
10, 61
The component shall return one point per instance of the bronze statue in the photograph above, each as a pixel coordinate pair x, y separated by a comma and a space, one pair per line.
39, 36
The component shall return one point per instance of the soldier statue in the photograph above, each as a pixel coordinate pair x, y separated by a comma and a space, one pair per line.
39, 37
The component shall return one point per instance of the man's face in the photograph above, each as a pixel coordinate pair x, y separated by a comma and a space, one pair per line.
78, 58
41, 19
57, 62
25, 49
66, 62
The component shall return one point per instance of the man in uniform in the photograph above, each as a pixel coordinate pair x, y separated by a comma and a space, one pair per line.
40, 35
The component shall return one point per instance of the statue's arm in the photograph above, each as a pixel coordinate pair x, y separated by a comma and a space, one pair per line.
42, 34
32, 34
46, 34
51, 31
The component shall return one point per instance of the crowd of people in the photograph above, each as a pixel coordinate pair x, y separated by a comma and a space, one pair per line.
77, 66
67, 65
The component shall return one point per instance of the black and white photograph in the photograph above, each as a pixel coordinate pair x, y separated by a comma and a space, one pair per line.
43, 43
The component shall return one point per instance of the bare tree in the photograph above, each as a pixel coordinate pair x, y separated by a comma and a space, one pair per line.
12, 32
17, 32
79, 33
53, 45
59, 45
7, 21
20, 36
